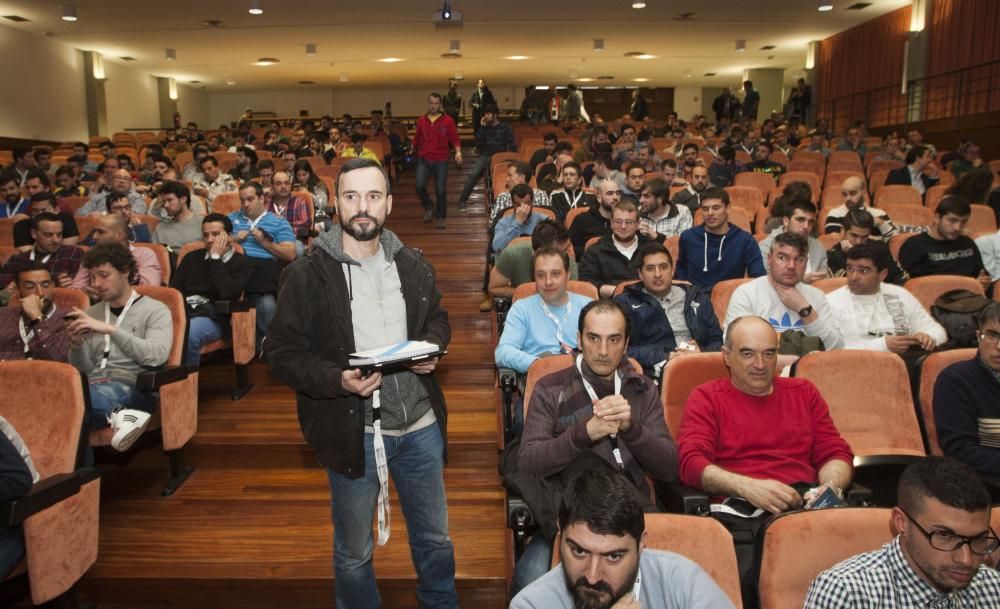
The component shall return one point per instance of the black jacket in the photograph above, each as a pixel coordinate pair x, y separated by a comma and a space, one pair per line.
312, 335
561, 203
586, 226
603, 264
902, 176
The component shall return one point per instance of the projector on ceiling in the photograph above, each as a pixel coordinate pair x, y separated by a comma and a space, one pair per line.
455, 20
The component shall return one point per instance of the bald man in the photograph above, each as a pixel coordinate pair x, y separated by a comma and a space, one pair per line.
114, 229
121, 182
597, 221
855, 197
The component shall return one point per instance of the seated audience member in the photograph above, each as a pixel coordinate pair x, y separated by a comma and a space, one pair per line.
68, 183
668, 169
118, 204
967, 401
604, 170
34, 328
181, 225
268, 240
520, 223
747, 439
717, 250
722, 172
763, 164
63, 261
971, 158
121, 184
598, 409
545, 154
660, 218
306, 179
914, 139
597, 221
571, 195
517, 173
283, 203
602, 549
116, 339
357, 150
917, 160
935, 560
989, 249
855, 198
635, 177
265, 173
691, 196
781, 299
542, 324
192, 171
218, 273
890, 149
668, 319
799, 219
793, 191
859, 225
513, 264
817, 143
43, 202
113, 229
17, 477
246, 164
852, 142
213, 181
613, 259
944, 249
879, 316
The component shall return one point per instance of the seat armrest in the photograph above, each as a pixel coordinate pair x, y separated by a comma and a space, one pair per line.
500, 304
44, 494
859, 495
507, 378
885, 461
228, 307
152, 380
677, 498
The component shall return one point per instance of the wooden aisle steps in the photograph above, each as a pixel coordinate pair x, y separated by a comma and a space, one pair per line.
251, 528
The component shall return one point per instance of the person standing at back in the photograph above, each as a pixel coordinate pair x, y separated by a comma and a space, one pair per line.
435, 136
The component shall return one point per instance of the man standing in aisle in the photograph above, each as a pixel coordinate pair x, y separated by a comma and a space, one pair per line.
376, 292
436, 134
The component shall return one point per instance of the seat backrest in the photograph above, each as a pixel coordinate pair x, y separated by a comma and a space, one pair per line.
912, 215
801, 176
896, 243
748, 198
892, 195
807, 166
721, 293
798, 546
802, 154
835, 179
928, 289
983, 220
52, 388
540, 368
703, 541
573, 213
162, 257
933, 196
175, 303
869, 397
883, 165
74, 203
226, 203
830, 284
681, 376
933, 365
761, 181
64, 298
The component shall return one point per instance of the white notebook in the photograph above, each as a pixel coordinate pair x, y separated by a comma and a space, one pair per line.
405, 351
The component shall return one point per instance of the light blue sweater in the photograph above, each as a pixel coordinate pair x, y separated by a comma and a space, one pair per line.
528, 332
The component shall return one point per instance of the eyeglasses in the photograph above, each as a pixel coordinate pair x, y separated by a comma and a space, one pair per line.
989, 337
949, 542
623, 222
850, 193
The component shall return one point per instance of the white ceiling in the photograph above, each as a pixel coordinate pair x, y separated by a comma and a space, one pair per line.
557, 36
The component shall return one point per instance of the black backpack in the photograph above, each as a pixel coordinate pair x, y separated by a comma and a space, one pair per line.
956, 310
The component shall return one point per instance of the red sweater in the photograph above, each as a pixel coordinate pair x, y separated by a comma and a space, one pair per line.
786, 436
433, 140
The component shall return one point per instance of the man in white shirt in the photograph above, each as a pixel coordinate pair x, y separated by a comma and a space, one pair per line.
853, 190
879, 316
783, 300
989, 249
215, 182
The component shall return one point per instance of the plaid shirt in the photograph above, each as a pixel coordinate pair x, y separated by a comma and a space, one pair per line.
669, 227
66, 260
296, 211
98, 203
504, 201
883, 578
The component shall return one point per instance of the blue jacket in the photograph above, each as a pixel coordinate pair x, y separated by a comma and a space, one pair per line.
705, 258
652, 339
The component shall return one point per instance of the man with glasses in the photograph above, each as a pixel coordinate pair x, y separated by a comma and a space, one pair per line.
943, 519
614, 258
853, 190
121, 183
967, 401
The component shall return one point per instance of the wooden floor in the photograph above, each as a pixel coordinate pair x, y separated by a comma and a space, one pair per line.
251, 527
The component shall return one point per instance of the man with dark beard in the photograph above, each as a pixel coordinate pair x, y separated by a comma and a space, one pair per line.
360, 288
605, 564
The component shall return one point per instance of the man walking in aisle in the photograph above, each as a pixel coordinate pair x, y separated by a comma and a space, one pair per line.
436, 134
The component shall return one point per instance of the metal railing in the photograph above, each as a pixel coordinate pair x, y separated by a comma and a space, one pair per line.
950, 95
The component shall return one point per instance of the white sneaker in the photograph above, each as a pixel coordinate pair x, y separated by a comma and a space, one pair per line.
128, 424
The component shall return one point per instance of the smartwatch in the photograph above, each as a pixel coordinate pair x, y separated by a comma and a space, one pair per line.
805, 311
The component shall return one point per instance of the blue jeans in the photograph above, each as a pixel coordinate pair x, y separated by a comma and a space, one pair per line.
201, 331
440, 169
108, 395
535, 562
482, 166
415, 463
11, 549
266, 306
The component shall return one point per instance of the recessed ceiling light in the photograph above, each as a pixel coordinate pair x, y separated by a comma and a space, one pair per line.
585, 79
709, 73
741, 45
451, 55
343, 78
68, 12
195, 82
266, 61
824, 5
605, 77
640, 79
230, 81
857, 6
212, 23
518, 57
310, 49
127, 58
391, 59
686, 17
255, 8
638, 4
767, 47
598, 44
171, 54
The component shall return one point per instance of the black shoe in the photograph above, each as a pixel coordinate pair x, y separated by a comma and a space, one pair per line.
428, 215
461, 207
440, 224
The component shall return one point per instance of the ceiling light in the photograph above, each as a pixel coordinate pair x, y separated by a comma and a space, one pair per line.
645, 56
640, 79
255, 8
584, 80
446, 10
741, 45
518, 57
638, 4
230, 81
68, 12
311, 49
390, 60
824, 5
266, 61
172, 89
171, 54
598, 45
458, 76
98, 61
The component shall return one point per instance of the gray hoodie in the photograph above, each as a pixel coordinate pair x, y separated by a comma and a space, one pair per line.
378, 312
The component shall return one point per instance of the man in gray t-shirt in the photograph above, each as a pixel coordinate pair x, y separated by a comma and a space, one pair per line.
181, 225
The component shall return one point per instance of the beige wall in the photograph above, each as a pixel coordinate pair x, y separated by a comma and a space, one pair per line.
131, 97
687, 102
193, 105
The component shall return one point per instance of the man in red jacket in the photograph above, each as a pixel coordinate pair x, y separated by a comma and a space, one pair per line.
435, 136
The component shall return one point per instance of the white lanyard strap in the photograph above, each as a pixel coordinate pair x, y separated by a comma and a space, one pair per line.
637, 587
559, 324
593, 396
31, 256
17, 208
576, 199
256, 221
118, 323
382, 468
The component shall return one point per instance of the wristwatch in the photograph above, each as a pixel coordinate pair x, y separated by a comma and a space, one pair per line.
805, 311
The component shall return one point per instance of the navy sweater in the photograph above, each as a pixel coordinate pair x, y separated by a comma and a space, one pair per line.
705, 258
967, 395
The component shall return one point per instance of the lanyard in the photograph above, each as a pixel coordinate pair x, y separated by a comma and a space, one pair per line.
637, 586
118, 322
382, 468
27, 335
576, 199
256, 221
593, 396
17, 208
559, 324
279, 211
31, 256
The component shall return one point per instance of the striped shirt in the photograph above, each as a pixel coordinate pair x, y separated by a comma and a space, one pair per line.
883, 578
